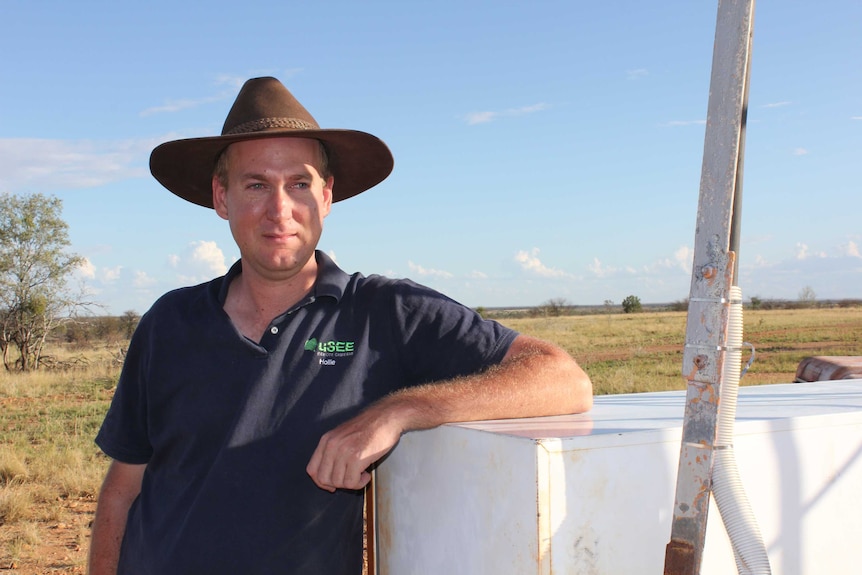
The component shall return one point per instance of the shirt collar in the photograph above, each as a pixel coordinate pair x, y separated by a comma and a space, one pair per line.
331, 280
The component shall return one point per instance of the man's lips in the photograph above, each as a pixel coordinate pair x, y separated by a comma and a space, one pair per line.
280, 236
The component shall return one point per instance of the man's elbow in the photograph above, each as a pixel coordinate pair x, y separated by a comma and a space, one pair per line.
580, 389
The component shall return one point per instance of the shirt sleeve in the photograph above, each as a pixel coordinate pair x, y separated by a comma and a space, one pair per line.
442, 339
123, 435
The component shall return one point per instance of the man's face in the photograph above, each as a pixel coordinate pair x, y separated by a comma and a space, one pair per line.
275, 202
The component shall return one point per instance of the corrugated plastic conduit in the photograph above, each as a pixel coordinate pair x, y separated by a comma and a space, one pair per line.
748, 547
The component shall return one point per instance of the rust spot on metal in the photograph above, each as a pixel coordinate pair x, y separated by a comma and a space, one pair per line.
708, 272
679, 558
701, 500
701, 361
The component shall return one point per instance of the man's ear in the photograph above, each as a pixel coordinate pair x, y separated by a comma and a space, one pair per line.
327, 195
219, 200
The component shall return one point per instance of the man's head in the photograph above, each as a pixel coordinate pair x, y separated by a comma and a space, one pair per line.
264, 109
274, 196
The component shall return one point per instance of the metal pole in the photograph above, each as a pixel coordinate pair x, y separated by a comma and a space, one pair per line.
713, 273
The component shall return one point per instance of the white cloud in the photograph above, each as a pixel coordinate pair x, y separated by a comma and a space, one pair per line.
831, 276
851, 249
426, 272
800, 152
474, 118
177, 105
143, 280
777, 104
110, 275
477, 275
760, 262
530, 262
201, 261
599, 269
231, 81
802, 252
684, 257
34, 164
681, 259
480, 117
637, 73
86, 269
232, 85
210, 256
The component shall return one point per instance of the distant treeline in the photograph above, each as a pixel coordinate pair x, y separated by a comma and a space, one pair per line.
554, 308
112, 329
106, 329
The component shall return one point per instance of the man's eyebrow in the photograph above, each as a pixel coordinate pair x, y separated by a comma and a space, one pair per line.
294, 175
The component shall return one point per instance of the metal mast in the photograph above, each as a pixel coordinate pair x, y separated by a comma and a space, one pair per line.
713, 274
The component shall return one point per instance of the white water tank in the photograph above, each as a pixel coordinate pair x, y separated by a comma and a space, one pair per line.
593, 493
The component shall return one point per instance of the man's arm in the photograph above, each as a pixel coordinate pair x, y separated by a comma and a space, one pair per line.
121, 486
535, 378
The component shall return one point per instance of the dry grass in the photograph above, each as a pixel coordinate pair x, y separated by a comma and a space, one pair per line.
50, 469
625, 353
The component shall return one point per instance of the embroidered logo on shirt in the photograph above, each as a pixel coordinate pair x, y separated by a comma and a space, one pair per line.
328, 350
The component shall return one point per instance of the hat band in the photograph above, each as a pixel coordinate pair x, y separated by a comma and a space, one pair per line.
267, 123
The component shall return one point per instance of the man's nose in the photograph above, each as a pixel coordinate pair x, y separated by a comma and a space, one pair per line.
280, 205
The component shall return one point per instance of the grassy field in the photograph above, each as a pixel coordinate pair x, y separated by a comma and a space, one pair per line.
628, 353
50, 470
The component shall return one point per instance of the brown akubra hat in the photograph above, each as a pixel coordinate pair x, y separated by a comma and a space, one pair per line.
264, 108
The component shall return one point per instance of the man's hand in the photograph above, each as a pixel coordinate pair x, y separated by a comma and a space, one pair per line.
344, 454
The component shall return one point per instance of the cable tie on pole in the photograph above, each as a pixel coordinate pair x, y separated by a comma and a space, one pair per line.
713, 347
721, 300
709, 299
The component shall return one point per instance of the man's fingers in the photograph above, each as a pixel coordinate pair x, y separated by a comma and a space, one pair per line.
336, 463
344, 454
316, 466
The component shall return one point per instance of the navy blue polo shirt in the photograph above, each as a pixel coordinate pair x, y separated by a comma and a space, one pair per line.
227, 425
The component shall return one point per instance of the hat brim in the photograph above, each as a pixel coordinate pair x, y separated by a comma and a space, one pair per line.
358, 161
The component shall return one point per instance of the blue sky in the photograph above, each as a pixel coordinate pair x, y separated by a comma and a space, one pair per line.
547, 149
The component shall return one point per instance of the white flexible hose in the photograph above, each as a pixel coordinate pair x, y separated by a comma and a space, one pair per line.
748, 547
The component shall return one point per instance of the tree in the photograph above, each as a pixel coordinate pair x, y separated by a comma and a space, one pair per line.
632, 304
131, 318
34, 276
807, 297
553, 307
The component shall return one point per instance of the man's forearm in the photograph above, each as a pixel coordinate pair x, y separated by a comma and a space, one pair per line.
120, 488
534, 379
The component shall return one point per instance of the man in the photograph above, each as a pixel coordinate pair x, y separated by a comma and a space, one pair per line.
251, 408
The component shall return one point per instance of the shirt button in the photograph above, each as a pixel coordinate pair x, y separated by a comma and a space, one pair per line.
273, 330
